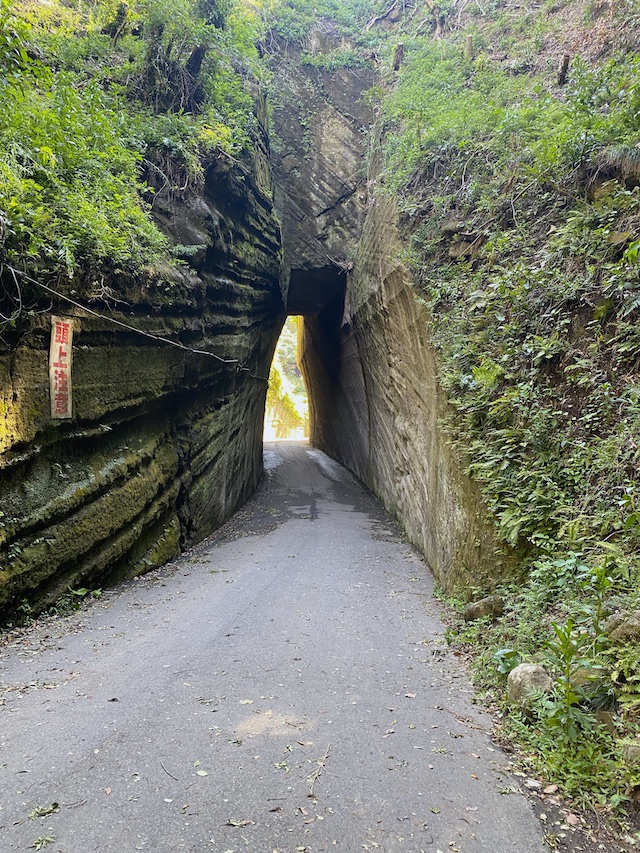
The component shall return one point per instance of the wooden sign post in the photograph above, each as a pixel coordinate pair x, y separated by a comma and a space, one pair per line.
60, 351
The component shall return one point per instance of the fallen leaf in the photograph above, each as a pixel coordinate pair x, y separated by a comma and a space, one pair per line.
572, 819
107, 790
246, 701
410, 695
551, 789
240, 822
202, 772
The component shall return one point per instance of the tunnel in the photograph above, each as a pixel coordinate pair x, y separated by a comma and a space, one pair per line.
165, 439
328, 357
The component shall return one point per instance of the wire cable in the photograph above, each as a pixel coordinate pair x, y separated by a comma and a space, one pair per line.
241, 368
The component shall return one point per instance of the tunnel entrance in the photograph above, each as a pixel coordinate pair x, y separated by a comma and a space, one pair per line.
330, 363
307, 357
287, 409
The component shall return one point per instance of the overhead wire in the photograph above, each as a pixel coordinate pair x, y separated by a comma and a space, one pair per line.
240, 367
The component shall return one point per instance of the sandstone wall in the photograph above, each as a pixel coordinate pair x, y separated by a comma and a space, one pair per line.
370, 370
320, 126
378, 410
164, 444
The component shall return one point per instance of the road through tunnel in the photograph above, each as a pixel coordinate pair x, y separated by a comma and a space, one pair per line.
329, 363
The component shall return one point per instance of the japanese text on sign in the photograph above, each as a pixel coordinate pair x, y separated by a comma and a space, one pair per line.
60, 367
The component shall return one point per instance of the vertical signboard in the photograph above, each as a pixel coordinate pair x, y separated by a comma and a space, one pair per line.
60, 367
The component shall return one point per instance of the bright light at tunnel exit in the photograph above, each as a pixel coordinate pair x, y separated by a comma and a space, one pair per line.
287, 410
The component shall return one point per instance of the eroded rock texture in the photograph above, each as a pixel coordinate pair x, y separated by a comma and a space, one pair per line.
320, 131
378, 409
371, 372
164, 443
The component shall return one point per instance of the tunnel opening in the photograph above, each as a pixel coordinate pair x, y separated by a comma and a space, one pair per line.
307, 358
286, 414
328, 359
330, 364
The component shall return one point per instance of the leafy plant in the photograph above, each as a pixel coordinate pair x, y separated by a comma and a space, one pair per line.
506, 660
564, 709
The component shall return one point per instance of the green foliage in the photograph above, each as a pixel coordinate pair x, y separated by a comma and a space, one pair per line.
293, 19
588, 771
126, 98
14, 35
72, 599
506, 660
69, 187
286, 404
448, 113
535, 325
342, 57
567, 653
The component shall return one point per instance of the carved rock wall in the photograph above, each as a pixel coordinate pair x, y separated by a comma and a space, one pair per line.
320, 127
378, 410
375, 404
164, 444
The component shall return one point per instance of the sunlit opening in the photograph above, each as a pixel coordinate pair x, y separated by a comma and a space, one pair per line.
287, 409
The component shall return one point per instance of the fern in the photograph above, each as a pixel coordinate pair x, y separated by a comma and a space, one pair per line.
629, 306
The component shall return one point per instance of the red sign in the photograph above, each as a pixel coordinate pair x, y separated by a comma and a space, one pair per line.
60, 367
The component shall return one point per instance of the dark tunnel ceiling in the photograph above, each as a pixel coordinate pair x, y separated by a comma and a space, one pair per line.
313, 290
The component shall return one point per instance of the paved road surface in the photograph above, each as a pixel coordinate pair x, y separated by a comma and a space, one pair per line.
285, 688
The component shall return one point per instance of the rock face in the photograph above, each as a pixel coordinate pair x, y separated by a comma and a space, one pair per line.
624, 628
371, 373
164, 443
524, 681
378, 408
492, 605
320, 129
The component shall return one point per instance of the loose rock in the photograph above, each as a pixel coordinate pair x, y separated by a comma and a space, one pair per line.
492, 605
525, 680
624, 628
631, 753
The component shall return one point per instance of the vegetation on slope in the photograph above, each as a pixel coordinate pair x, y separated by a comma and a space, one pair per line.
293, 20
511, 139
522, 194
101, 105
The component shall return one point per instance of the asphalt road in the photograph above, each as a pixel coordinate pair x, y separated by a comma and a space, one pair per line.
286, 687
